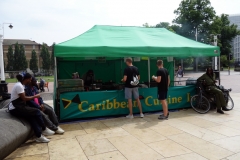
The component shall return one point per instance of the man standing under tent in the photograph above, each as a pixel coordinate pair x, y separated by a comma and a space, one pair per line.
131, 78
163, 81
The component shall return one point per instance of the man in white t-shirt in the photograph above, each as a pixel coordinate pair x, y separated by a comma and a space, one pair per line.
18, 88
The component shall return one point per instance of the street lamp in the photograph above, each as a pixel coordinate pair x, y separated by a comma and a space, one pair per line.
216, 60
215, 40
10, 26
3, 85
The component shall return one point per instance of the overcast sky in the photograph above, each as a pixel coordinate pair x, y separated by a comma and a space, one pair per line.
59, 20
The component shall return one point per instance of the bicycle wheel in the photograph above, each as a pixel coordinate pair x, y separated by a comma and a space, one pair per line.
230, 103
200, 104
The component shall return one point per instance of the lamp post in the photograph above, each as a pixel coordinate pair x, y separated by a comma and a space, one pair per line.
1, 53
216, 60
3, 85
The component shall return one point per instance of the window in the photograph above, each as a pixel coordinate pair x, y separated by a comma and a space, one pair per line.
33, 46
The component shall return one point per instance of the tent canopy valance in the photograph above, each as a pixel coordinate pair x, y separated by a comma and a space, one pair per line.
120, 41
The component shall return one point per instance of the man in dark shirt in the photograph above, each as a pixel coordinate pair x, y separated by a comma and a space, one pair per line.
163, 81
131, 78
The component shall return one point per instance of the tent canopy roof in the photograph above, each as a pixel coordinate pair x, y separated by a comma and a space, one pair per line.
120, 41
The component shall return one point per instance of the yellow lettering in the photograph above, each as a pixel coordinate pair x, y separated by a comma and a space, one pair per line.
174, 100
156, 102
169, 100
98, 106
179, 99
80, 106
116, 104
123, 104
109, 104
146, 101
188, 97
103, 105
91, 107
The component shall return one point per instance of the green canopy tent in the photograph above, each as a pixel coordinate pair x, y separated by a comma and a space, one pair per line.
115, 43
119, 41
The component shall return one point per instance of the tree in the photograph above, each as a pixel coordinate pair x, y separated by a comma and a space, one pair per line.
225, 62
45, 57
16, 57
10, 59
221, 25
23, 61
20, 61
33, 61
52, 57
192, 15
165, 25
146, 25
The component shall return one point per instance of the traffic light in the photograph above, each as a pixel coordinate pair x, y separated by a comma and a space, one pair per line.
231, 57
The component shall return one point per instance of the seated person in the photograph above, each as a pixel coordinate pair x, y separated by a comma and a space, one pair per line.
49, 117
210, 87
88, 78
75, 75
41, 85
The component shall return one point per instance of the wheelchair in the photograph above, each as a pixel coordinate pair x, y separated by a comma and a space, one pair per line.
203, 101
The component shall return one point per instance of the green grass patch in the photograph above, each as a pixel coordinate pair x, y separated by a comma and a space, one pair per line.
46, 78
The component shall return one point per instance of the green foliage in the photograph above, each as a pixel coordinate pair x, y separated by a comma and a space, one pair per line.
34, 61
225, 62
147, 25
52, 57
20, 61
165, 25
187, 62
23, 61
221, 25
16, 57
192, 14
10, 59
45, 57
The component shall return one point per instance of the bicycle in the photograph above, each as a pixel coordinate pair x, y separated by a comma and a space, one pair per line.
203, 101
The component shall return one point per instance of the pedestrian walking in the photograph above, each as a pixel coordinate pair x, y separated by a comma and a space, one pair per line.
179, 74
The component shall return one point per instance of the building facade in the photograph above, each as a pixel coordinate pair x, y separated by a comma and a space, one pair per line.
235, 19
29, 46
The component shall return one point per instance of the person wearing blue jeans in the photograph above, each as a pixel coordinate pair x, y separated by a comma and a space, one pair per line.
48, 114
19, 108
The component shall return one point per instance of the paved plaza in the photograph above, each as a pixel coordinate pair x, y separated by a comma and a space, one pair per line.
187, 135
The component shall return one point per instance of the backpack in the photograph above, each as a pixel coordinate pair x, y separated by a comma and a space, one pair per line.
135, 79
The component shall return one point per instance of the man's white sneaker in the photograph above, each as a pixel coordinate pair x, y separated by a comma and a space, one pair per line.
129, 116
141, 115
59, 131
47, 132
42, 139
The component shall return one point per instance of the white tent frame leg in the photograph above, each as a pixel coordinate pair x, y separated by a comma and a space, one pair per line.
149, 72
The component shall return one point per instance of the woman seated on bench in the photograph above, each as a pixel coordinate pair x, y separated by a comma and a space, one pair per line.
49, 116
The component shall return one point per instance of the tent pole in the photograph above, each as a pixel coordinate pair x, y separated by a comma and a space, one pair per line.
148, 72
174, 65
219, 69
55, 71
